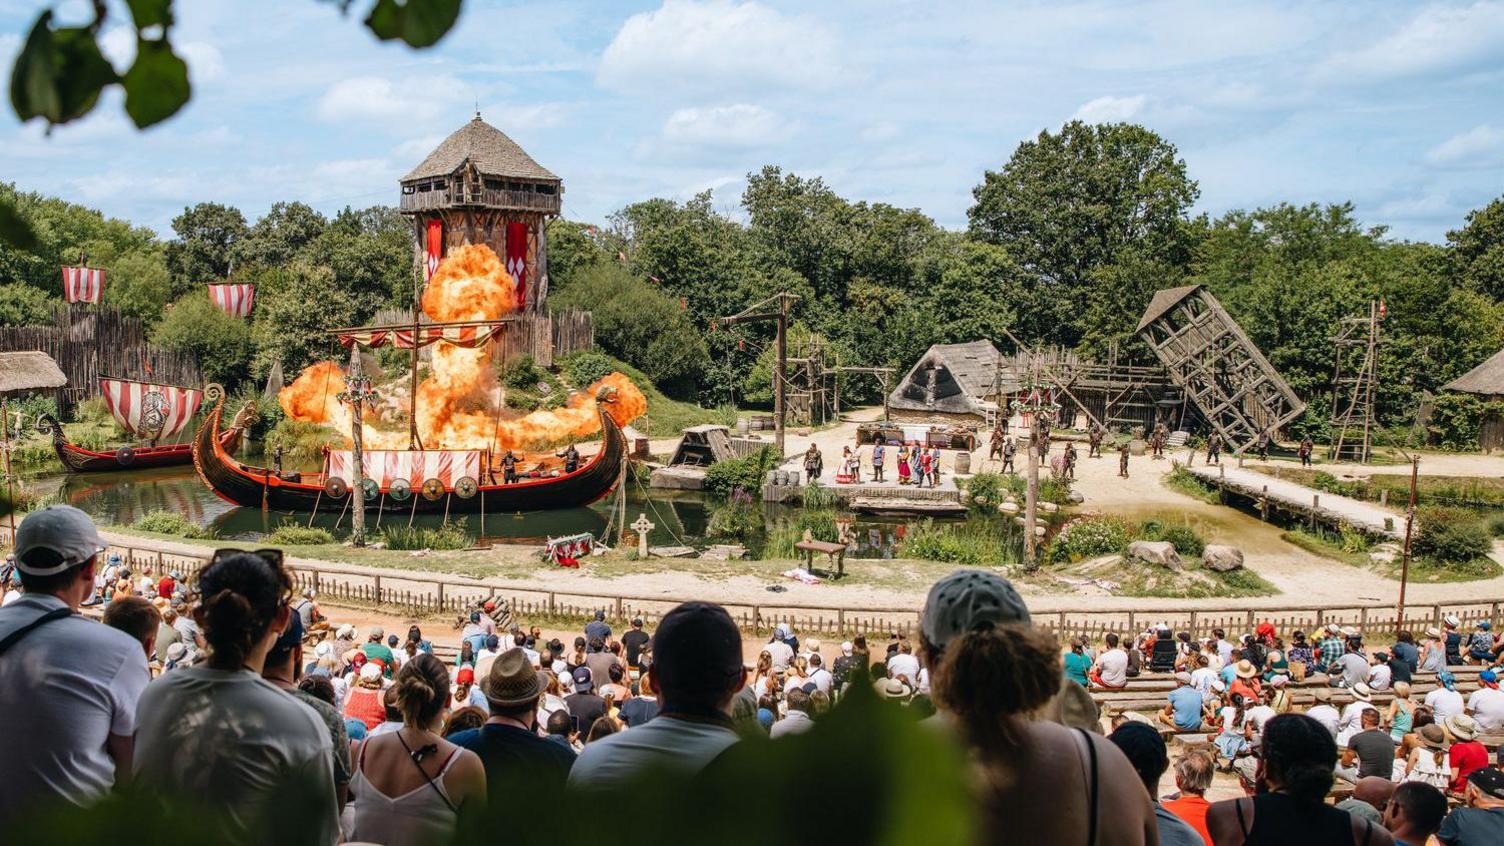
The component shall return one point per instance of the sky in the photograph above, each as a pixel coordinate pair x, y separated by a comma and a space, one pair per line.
1396, 107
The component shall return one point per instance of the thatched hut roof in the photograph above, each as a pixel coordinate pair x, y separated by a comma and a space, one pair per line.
29, 371
1162, 302
951, 379
1487, 378
492, 152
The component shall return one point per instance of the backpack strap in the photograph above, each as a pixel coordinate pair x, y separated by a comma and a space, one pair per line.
15, 637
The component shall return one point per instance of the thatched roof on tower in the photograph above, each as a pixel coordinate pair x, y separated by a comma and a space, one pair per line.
488, 148
1486, 379
29, 371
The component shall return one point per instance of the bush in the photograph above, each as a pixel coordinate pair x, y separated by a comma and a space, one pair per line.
986, 491
522, 372
301, 442
1050, 489
291, 534
814, 496
1496, 525
451, 534
788, 531
746, 473
1088, 537
1451, 536
974, 543
1185, 539
23, 305
586, 367
170, 523
222, 343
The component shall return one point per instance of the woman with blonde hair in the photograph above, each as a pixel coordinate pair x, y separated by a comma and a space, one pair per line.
1401, 716
762, 676
797, 674
410, 784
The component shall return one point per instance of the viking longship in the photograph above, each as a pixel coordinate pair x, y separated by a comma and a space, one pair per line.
429, 481
149, 412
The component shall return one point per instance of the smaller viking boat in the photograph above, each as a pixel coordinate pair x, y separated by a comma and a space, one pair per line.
149, 412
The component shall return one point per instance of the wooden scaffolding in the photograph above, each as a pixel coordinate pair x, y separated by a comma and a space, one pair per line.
1214, 361
1355, 380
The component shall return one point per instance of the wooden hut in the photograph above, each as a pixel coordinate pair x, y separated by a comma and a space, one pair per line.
1486, 381
956, 383
480, 187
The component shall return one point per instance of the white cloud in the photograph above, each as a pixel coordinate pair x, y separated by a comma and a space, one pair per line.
10, 45
1481, 146
1439, 39
416, 149
205, 62
739, 126
95, 188
376, 99
215, 137
713, 46
1111, 109
536, 116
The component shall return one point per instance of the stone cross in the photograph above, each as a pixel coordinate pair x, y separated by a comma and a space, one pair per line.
642, 527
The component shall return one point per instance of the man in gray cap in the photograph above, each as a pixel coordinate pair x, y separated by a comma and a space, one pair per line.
970, 599
68, 686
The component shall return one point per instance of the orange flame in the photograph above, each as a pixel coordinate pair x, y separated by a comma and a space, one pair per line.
461, 405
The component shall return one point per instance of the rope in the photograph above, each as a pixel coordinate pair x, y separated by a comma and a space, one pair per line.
656, 513
315, 512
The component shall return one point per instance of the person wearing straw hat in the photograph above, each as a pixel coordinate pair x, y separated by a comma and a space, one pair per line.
1428, 763
1352, 715
508, 744
1467, 755
1323, 711
1452, 638
1433, 653
1245, 681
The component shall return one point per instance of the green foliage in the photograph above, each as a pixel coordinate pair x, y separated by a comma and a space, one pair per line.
1451, 536
201, 253
1495, 525
787, 531
170, 523
451, 534
285, 328
1181, 480
22, 305
522, 372
972, 543
1089, 537
587, 367
1185, 539
739, 518
222, 343
985, 491
725, 477
815, 496
292, 534
1354, 541
300, 442
1476, 257
420, 23
666, 417
1457, 418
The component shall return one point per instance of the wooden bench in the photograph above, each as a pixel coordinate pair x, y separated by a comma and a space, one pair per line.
835, 553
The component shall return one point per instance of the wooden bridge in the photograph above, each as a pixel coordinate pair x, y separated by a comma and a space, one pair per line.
1315, 506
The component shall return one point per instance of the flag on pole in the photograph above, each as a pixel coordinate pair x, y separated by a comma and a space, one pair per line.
234, 299
83, 284
434, 247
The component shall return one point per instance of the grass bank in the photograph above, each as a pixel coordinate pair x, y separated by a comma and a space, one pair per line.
1422, 569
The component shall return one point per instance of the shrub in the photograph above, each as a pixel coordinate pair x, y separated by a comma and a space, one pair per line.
739, 517
1185, 539
1050, 489
170, 523
291, 534
821, 523
1496, 525
522, 372
586, 367
814, 496
746, 473
986, 490
1451, 536
972, 543
1088, 537
451, 534
1354, 541
301, 443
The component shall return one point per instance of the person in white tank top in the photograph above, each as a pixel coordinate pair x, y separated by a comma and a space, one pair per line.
409, 785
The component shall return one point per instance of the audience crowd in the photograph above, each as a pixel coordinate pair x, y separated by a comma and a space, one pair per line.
232, 689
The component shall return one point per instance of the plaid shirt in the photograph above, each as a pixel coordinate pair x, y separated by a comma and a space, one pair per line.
1332, 650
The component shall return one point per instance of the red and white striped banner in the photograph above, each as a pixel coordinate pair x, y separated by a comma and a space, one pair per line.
149, 411
517, 259
434, 248
83, 284
460, 336
234, 299
416, 466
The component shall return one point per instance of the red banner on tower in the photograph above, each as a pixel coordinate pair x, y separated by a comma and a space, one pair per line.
435, 248
517, 259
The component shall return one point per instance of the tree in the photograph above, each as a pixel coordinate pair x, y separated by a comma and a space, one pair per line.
23, 305
1069, 203
207, 233
138, 284
286, 329
222, 343
1477, 250
279, 235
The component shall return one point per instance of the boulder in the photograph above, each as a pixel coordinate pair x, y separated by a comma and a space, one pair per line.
1047, 507
1009, 507
1222, 559
1155, 552
1075, 497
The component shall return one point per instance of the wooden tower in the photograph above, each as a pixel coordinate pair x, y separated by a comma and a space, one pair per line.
1355, 380
1208, 355
479, 187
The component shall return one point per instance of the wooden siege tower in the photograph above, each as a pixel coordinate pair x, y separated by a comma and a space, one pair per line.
1355, 380
1211, 358
480, 187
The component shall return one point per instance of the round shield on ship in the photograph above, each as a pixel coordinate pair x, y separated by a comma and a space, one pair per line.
125, 455
432, 489
465, 487
399, 490
335, 487
369, 487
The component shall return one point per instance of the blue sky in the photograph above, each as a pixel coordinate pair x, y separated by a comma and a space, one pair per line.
1397, 107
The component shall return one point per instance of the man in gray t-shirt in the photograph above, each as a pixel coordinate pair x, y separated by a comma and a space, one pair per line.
1370, 752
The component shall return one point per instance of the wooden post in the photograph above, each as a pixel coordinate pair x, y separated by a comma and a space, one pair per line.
377, 580
780, 378
357, 487
1409, 525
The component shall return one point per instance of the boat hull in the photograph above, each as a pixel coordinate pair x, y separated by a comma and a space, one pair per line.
251, 486
80, 460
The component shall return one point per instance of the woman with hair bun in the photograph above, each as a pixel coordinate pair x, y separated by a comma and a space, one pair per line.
219, 736
410, 784
995, 678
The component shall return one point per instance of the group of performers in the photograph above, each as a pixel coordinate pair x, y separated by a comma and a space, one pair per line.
917, 465
509, 462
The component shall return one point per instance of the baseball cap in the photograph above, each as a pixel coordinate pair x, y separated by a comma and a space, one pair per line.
968, 600
582, 679
375, 632
464, 676
61, 529
288, 640
1488, 780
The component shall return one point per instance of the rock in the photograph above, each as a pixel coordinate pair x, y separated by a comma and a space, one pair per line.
1076, 497
672, 551
1383, 556
1222, 559
724, 552
1038, 531
1009, 507
1047, 507
1155, 552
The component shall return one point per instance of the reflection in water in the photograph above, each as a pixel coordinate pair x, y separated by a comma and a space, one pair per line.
122, 498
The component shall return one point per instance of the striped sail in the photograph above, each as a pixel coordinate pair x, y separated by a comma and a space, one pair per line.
234, 299
83, 284
149, 411
460, 336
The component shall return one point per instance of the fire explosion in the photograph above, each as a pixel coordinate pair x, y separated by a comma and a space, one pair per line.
462, 405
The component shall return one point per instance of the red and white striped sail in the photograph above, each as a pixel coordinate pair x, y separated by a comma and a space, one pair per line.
234, 299
460, 336
83, 284
416, 466
149, 411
